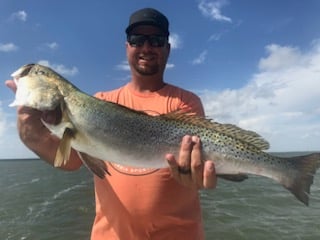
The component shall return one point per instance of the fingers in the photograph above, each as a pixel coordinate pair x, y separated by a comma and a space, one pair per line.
209, 175
197, 163
184, 161
190, 169
52, 116
174, 167
11, 84
33, 116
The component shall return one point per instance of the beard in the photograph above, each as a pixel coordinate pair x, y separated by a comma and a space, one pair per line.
146, 70
146, 63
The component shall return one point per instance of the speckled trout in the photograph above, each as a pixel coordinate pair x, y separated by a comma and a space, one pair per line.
100, 130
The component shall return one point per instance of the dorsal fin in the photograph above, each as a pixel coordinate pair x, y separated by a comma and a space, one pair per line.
228, 129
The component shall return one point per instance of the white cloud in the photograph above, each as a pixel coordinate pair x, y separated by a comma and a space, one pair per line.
215, 37
10, 144
175, 41
61, 69
8, 47
123, 66
170, 65
52, 45
11, 147
20, 15
280, 57
212, 10
281, 101
201, 58
2, 123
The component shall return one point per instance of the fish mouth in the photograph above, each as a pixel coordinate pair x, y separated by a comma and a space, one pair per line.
23, 71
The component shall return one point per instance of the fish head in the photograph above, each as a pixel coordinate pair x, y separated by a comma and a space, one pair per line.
37, 87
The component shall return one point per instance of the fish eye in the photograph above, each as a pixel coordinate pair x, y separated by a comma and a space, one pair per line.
40, 72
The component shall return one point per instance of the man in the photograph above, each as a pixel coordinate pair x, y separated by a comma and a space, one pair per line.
135, 203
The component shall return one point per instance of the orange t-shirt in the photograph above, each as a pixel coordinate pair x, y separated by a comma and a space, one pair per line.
141, 203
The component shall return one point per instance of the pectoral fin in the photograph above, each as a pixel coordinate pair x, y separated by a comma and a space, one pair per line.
96, 166
64, 148
234, 177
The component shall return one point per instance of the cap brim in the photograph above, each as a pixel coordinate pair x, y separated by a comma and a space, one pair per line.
134, 25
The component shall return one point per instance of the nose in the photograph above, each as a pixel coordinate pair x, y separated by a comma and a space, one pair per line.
146, 45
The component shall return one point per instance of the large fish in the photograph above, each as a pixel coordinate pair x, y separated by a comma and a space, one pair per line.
103, 130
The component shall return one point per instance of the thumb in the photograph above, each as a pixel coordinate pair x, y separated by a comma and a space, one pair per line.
171, 160
173, 165
11, 84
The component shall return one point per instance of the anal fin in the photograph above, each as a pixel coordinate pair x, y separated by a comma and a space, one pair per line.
234, 177
96, 166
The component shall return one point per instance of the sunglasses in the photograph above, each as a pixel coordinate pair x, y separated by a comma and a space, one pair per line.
137, 40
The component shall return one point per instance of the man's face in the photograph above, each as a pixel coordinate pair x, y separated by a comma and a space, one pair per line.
146, 59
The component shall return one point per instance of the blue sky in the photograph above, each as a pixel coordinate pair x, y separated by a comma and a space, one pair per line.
253, 63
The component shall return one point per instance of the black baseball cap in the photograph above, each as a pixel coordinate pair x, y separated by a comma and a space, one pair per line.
148, 16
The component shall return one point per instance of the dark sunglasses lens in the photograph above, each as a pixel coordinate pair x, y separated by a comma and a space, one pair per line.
138, 40
157, 41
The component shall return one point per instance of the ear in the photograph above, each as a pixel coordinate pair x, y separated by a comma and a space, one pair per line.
127, 48
168, 47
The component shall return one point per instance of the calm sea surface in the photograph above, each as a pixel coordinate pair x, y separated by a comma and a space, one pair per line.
39, 202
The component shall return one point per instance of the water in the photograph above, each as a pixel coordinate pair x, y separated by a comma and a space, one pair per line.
39, 202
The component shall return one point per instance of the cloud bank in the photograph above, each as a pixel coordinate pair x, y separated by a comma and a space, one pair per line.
281, 101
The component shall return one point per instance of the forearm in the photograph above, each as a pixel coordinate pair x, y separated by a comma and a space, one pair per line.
39, 140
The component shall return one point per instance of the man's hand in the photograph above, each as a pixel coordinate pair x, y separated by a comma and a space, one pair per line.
11, 84
190, 169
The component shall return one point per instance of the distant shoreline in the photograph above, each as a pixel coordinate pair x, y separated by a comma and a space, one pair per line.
19, 159
278, 154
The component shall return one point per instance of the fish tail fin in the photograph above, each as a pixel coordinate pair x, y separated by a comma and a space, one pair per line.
307, 166
96, 166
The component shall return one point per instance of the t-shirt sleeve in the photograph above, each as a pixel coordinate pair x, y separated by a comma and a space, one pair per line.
192, 104
103, 96
110, 96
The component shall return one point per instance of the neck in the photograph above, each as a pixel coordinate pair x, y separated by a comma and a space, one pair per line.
146, 83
